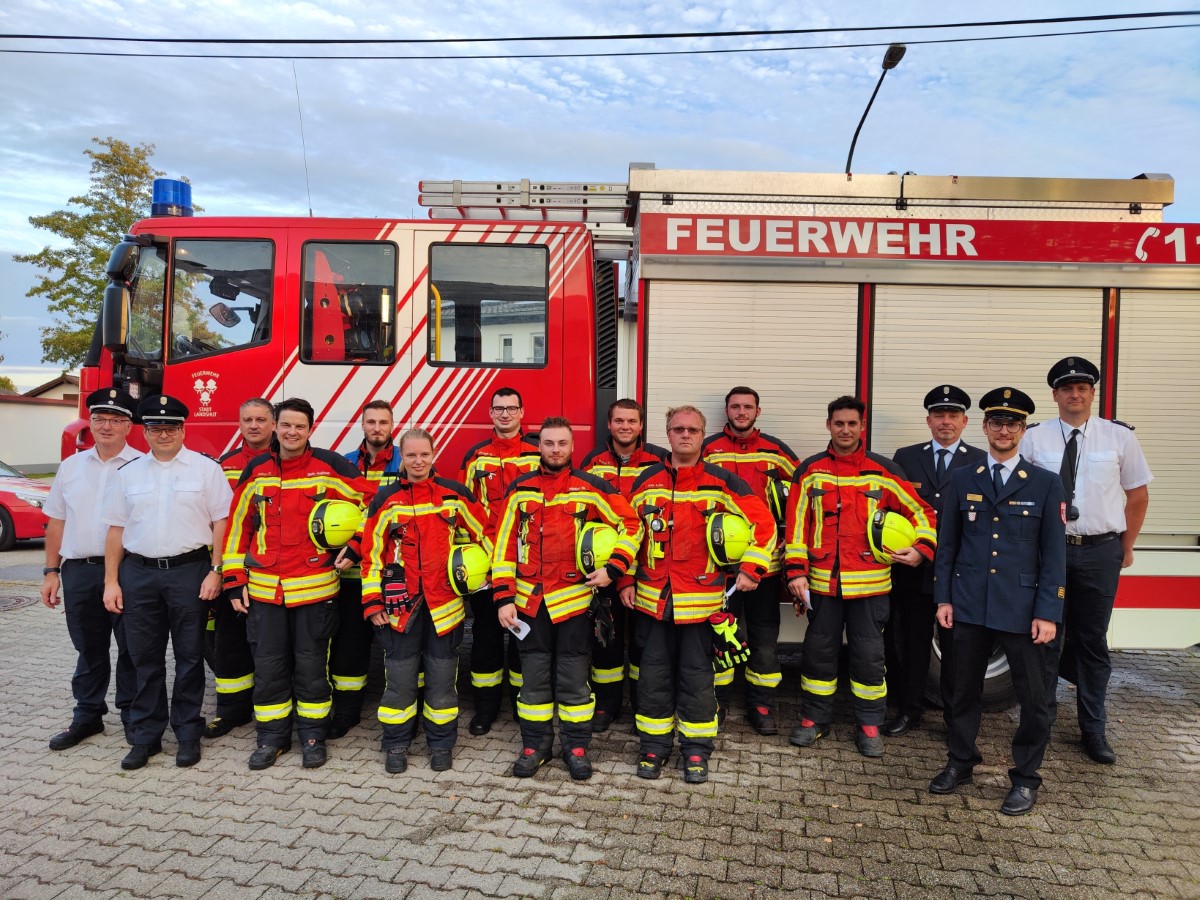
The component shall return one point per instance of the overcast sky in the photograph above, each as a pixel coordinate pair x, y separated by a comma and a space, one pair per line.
1097, 106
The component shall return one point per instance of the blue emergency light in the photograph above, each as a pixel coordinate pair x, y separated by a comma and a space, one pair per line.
171, 198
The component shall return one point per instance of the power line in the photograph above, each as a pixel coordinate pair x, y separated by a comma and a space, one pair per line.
597, 55
668, 35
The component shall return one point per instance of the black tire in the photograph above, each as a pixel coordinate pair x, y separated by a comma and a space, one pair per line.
8, 534
997, 683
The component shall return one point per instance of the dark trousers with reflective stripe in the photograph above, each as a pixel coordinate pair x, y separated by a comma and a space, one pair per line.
350, 653
405, 656
1079, 652
909, 644
1027, 661
92, 628
863, 620
608, 661
232, 663
759, 611
567, 648
291, 682
675, 684
161, 604
488, 656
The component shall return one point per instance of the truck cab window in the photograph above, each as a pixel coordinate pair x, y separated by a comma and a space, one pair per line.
487, 304
349, 296
146, 306
221, 296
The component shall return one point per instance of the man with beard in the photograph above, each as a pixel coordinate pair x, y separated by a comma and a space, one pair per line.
538, 582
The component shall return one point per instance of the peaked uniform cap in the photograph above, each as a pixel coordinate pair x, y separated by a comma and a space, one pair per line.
947, 396
111, 400
1006, 403
1070, 369
159, 409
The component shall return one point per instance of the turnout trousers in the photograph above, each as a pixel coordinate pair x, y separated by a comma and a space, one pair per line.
291, 651
232, 663
488, 656
863, 620
608, 661
162, 604
675, 686
405, 656
759, 610
1079, 652
350, 653
972, 648
92, 629
566, 648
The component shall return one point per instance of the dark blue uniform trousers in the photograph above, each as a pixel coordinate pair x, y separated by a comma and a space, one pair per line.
92, 628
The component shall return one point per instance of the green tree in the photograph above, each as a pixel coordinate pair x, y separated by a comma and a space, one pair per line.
119, 195
8, 384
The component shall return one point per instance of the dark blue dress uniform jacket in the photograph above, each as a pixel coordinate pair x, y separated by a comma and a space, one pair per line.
1002, 560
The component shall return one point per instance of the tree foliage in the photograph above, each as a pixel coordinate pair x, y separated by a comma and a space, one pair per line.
73, 288
8, 384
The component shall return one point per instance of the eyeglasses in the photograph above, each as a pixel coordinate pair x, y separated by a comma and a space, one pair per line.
505, 410
107, 421
155, 430
1010, 427
685, 429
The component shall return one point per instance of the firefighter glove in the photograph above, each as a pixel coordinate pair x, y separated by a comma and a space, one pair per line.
729, 644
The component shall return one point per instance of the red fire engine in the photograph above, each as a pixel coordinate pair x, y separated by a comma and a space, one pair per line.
803, 286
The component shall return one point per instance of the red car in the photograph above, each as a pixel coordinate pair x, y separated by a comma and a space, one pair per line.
21, 503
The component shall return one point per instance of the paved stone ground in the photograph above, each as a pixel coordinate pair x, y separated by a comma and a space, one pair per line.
772, 821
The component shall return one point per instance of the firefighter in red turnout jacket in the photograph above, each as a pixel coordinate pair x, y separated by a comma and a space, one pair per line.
231, 660
833, 571
539, 582
624, 456
767, 464
677, 586
487, 470
289, 584
413, 527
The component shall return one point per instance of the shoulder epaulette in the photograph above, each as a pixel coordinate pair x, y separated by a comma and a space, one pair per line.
1034, 425
1126, 424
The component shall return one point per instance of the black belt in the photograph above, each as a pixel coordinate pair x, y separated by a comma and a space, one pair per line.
89, 560
1078, 539
170, 562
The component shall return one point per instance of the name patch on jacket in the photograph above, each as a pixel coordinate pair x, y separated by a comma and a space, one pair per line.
976, 497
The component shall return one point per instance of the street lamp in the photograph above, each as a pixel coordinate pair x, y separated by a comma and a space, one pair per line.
891, 59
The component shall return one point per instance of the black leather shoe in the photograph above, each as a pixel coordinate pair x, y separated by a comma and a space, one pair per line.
441, 759
395, 761
1019, 801
578, 764
188, 754
481, 724
222, 725
761, 720
75, 733
601, 721
139, 755
1097, 749
902, 724
312, 754
945, 781
265, 755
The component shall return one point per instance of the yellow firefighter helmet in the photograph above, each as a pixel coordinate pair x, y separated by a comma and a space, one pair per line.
468, 566
777, 497
888, 532
594, 546
332, 523
729, 536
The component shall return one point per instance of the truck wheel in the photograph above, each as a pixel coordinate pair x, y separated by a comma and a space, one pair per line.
8, 534
997, 680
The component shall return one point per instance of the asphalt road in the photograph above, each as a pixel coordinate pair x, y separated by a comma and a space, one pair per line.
772, 821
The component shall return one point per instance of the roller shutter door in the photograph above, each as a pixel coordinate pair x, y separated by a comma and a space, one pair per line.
977, 338
1158, 391
793, 343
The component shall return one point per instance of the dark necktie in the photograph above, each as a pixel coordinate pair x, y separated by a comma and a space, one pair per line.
997, 478
941, 464
1069, 466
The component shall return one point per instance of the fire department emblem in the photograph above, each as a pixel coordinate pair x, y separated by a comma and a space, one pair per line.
205, 385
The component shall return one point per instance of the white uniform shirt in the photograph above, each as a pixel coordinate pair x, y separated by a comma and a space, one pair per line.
167, 508
1110, 463
75, 498
934, 447
1006, 468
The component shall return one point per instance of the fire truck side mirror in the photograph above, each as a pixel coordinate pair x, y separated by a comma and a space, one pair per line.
114, 316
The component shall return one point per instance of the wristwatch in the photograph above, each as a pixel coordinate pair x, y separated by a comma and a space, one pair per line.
216, 569
51, 570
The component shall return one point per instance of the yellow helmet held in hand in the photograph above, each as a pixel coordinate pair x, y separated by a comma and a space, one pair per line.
332, 523
777, 496
594, 546
468, 566
888, 533
728, 536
